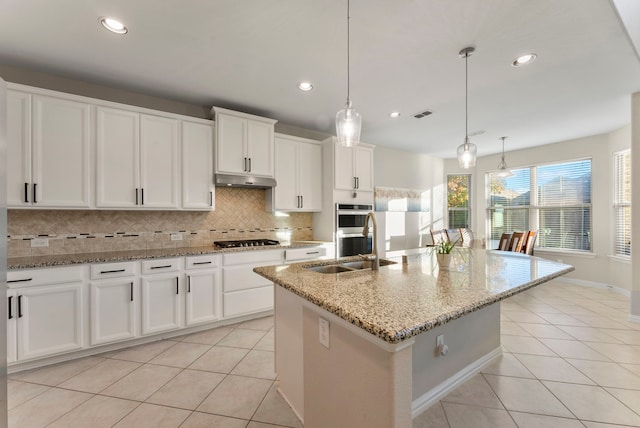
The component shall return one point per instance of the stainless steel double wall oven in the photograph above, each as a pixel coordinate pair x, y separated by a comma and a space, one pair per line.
350, 220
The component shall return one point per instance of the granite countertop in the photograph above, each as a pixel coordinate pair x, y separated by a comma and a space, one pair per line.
403, 300
32, 262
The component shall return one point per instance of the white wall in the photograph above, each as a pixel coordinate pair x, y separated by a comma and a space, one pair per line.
405, 170
596, 267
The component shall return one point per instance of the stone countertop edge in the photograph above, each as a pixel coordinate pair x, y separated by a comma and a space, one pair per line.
419, 325
34, 262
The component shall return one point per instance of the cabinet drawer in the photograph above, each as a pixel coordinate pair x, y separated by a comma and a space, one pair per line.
248, 301
202, 262
113, 270
236, 278
309, 253
45, 276
160, 266
263, 258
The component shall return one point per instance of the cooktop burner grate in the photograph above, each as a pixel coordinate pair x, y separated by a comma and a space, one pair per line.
245, 243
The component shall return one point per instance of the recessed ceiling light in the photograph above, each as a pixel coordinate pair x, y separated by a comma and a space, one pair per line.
305, 86
113, 25
524, 60
394, 114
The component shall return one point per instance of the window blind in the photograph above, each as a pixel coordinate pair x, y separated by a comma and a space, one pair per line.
622, 203
509, 202
554, 199
564, 201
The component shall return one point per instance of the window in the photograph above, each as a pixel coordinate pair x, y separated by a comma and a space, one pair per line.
622, 203
458, 188
554, 199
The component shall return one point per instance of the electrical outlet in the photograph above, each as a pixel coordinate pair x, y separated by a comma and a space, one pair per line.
39, 242
441, 348
176, 236
323, 327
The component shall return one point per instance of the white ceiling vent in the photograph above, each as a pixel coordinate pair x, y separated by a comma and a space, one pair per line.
422, 114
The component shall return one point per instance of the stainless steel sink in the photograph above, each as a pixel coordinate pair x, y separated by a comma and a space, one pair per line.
330, 269
354, 266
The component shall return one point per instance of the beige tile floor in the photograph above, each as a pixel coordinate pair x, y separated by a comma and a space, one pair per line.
571, 359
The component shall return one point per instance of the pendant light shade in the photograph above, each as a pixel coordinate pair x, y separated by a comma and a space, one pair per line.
348, 125
503, 170
348, 120
467, 151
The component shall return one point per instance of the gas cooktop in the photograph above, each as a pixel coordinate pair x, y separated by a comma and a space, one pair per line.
245, 243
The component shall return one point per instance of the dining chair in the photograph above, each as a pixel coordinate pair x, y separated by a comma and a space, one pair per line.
529, 242
466, 237
503, 245
517, 241
439, 236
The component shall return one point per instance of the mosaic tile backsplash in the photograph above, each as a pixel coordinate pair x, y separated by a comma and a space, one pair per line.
239, 214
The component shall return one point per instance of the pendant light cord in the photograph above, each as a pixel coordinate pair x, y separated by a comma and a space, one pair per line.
348, 53
466, 97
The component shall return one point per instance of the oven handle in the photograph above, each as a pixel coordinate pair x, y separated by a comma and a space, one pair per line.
352, 212
353, 235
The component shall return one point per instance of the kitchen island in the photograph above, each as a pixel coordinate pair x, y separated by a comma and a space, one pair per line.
360, 348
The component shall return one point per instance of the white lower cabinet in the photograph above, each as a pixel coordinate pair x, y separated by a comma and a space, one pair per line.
49, 320
49, 309
12, 318
113, 310
203, 289
46, 315
161, 298
246, 292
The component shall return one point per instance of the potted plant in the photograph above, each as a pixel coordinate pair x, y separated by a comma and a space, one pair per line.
443, 253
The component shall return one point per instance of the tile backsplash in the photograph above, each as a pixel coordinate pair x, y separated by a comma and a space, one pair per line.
239, 214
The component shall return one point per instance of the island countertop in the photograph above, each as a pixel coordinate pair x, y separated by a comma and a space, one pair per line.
403, 300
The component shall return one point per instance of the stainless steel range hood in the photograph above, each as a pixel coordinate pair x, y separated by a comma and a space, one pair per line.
246, 181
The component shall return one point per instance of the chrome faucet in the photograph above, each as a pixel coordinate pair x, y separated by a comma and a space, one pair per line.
375, 265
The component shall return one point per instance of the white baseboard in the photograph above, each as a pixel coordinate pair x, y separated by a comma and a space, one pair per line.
634, 318
434, 395
594, 284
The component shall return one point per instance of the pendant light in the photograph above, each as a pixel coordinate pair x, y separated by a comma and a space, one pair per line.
348, 120
467, 150
503, 171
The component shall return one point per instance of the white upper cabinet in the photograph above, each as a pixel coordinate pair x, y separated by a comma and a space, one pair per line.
159, 159
244, 143
137, 160
117, 158
354, 168
197, 166
48, 152
298, 174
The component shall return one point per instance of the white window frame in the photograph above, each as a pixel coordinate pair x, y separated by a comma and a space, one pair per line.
534, 206
468, 208
621, 249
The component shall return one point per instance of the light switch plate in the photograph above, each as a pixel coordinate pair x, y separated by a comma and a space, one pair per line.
323, 327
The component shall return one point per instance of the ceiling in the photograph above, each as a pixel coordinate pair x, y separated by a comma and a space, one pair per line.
250, 56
